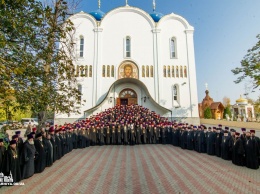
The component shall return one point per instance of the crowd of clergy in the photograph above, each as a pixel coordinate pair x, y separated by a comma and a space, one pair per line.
123, 125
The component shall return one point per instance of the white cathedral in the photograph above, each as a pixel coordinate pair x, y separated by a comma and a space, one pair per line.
128, 56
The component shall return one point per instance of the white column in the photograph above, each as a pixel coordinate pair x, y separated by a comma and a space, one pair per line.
156, 64
192, 73
97, 65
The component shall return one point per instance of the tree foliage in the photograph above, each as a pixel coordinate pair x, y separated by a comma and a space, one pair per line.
37, 52
250, 66
207, 113
227, 111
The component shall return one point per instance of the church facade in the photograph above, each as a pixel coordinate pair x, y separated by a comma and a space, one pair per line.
128, 56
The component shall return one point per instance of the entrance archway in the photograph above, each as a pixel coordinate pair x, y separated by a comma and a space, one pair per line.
127, 97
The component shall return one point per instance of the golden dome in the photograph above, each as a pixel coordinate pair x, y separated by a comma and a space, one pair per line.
241, 100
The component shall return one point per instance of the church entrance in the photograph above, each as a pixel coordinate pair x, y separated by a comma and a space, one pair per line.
127, 97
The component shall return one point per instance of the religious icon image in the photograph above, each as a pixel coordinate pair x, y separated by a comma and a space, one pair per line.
128, 70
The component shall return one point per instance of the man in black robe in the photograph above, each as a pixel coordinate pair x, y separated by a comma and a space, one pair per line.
75, 138
144, 136
238, 150
2, 151
113, 135
49, 150
40, 162
190, 139
59, 144
125, 135
19, 142
138, 135
11, 163
202, 143
211, 138
251, 151
54, 143
184, 139
218, 143
174, 136
225, 146
29, 155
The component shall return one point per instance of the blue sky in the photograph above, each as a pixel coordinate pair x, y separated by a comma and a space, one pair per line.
224, 31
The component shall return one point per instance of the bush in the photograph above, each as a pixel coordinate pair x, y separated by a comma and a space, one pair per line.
207, 113
227, 111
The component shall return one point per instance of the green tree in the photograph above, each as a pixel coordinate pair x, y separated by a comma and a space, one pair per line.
250, 66
38, 47
207, 113
227, 111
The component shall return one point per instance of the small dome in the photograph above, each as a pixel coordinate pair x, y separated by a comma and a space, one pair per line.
156, 16
98, 14
241, 100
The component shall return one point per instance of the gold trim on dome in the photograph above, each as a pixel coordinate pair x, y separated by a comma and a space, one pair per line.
241, 99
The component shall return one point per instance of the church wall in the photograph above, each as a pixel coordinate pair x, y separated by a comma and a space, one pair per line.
115, 29
174, 28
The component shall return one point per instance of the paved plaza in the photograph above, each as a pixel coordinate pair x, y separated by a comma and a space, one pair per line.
140, 169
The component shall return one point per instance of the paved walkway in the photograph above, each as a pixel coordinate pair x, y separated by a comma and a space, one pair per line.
140, 169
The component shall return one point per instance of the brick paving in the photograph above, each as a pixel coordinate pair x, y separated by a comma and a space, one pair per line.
140, 169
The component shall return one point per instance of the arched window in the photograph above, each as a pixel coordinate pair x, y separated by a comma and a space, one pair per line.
181, 72
147, 70
185, 71
90, 71
175, 96
143, 71
177, 71
128, 46
77, 71
173, 72
81, 46
164, 71
169, 71
80, 91
108, 70
112, 71
173, 47
103, 71
151, 71
86, 70
82, 69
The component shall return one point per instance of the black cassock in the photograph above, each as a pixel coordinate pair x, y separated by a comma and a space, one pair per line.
54, 147
144, 135
211, 137
70, 141
19, 146
184, 139
2, 152
49, 152
237, 152
113, 137
125, 136
81, 139
138, 135
58, 147
218, 144
175, 137
119, 135
252, 153
190, 140
75, 139
40, 162
11, 164
28, 155
201, 139
225, 147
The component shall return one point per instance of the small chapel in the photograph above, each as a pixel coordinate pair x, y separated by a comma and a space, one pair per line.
129, 56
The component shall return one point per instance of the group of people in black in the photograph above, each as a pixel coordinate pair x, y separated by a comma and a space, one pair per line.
123, 125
